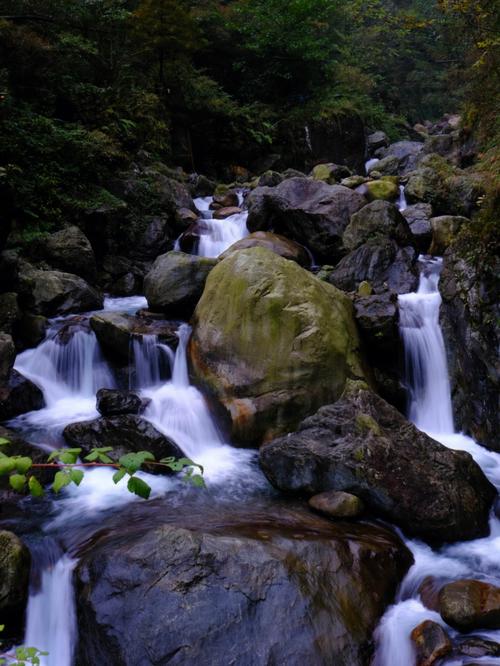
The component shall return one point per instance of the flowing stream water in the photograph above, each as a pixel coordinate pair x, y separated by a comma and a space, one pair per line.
431, 411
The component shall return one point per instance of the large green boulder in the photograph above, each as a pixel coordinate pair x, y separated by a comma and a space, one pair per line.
378, 220
15, 562
382, 189
285, 247
271, 342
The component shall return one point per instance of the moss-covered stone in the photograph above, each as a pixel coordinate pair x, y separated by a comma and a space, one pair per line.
382, 189
14, 578
272, 342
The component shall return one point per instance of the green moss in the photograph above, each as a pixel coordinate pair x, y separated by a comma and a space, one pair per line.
366, 424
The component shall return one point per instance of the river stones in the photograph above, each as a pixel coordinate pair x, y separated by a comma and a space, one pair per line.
227, 199
271, 342
176, 281
364, 446
212, 590
337, 504
123, 433
224, 213
377, 220
18, 395
112, 402
431, 642
15, 562
280, 245
307, 211
470, 604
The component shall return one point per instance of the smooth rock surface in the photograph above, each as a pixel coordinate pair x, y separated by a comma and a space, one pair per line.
377, 220
18, 395
337, 504
431, 642
470, 604
280, 245
111, 402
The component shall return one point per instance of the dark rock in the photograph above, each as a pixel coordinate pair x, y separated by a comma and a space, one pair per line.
475, 646
377, 220
7, 355
418, 217
9, 312
32, 329
470, 316
270, 179
124, 433
386, 166
229, 199
111, 402
330, 173
15, 562
307, 211
337, 504
17, 446
223, 213
408, 154
445, 229
470, 604
69, 250
18, 395
364, 446
202, 186
280, 245
188, 241
431, 642
176, 281
185, 216
218, 584
429, 592
377, 140
383, 264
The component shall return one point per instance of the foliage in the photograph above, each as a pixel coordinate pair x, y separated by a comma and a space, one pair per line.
68, 469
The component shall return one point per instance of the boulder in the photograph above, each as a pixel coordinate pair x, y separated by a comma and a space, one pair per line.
408, 154
18, 395
377, 140
353, 181
280, 245
387, 166
363, 445
470, 604
52, 293
116, 332
69, 250
15, 563
223, 213
270, 179
32, 329
7, 355
475, 646
227, 199
271, 342
307, 211
470, 317
418, 217
381, 189
9, 312
176, 281
217, 581
201, 186
432, 643
382, 263
444, 230
337, 504
125, 433
330, 173
378, 220
112, 402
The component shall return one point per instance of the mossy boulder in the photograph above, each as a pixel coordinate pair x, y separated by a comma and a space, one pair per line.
381, 189
15, 562
378, 220
271, 342
330, 173
445, 229
280, 245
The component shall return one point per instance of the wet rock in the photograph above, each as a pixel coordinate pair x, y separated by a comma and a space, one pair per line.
444, 230
69, 250
7, 355
52, 293
116, 331
337, 504
226, 200
186, 216
377, 220
377, 140
330, 173
255, 300
308, 211
217, 584
470, 604
223, 213
278, 244
201, 186
470, 316
382, 263
431, 642
475, 646
111, 402
364, 446
15, 562
381, 189
125, 433
32, 329
176, 281
418, 217
18, 395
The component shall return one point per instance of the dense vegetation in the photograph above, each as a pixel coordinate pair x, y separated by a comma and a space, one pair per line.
85, 86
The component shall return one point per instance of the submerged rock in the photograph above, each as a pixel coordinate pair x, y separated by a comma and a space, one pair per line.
176, 281
124, 433
431, 642
271, 342
211, 591
280, 245
364, 446
18, 395
470, 604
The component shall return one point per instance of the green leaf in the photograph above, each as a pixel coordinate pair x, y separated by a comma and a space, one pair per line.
76, 476
92, 456
118, 476
7, 465
133, 461
61, 480
23, 464
4, 441
35, 487
17, 481
139, 487
68, 458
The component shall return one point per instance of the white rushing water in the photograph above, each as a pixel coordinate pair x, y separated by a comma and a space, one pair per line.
370, 164
216, 236
402, 203
431, 410
69, 368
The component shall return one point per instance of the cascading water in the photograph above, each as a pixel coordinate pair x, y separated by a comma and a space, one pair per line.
151, 360
402, 203
431, 410
370, 164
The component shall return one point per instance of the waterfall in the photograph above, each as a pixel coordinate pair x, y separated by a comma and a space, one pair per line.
151, 361
430, 409
307, 133
402, 204
370, 164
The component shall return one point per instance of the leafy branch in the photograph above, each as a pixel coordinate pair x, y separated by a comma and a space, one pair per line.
21, 655
69, 469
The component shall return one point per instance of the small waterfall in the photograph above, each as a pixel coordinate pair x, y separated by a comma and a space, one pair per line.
307, 133
425, 356
151, 362
369, 164
402, 203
